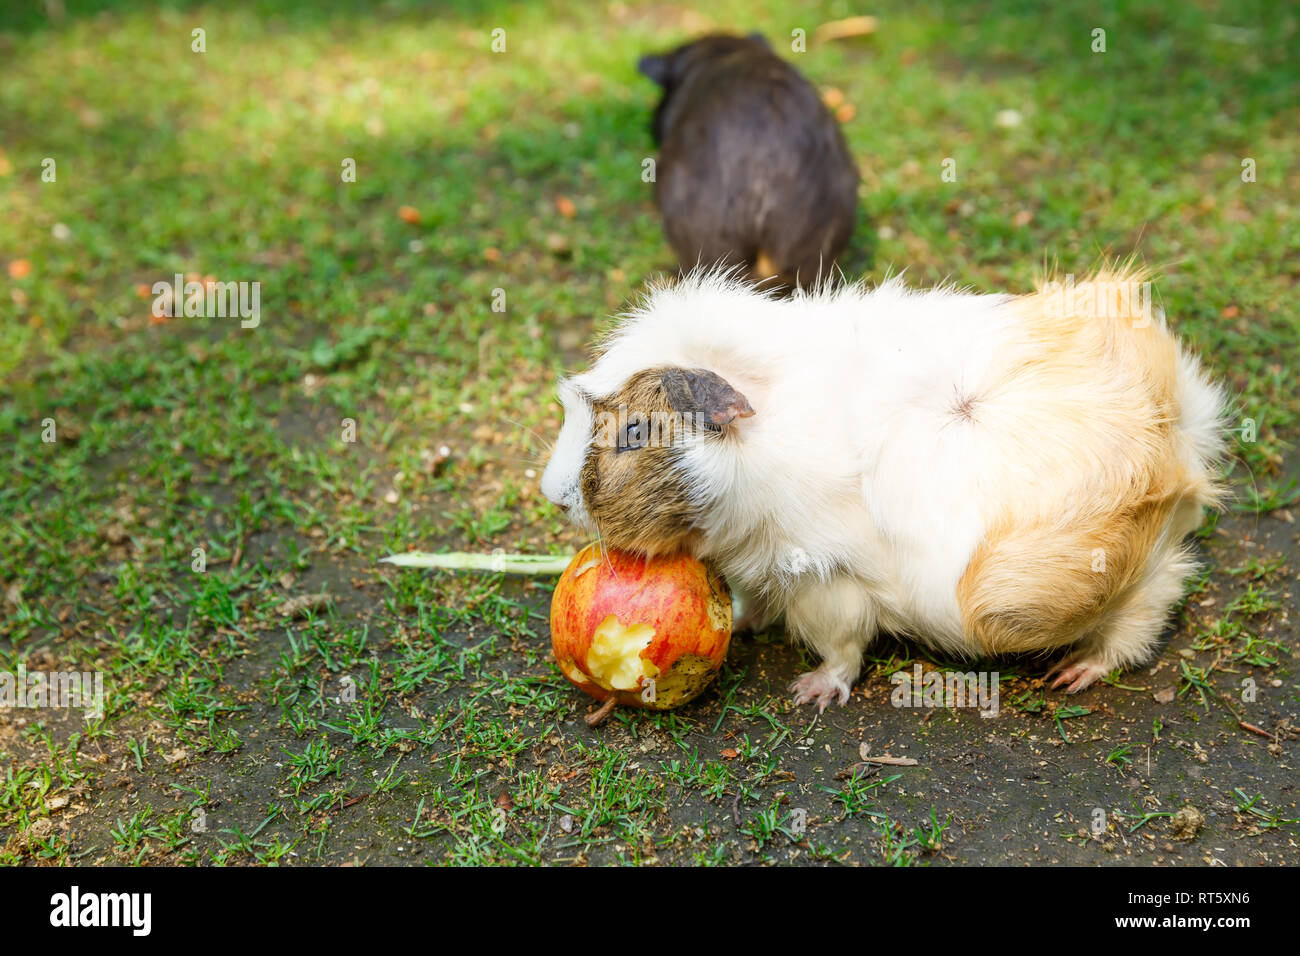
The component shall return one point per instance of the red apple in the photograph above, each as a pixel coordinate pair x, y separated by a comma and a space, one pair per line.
644, 632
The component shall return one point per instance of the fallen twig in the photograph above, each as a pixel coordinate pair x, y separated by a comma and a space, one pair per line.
892, 761
1257, 730
846, 29
596, 717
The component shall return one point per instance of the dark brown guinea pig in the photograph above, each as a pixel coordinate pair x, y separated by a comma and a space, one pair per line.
753, 169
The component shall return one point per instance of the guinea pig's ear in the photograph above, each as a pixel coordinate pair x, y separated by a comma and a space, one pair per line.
761, 41
697, 391
655, 66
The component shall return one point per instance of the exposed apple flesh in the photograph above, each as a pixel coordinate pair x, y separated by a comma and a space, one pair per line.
647, 632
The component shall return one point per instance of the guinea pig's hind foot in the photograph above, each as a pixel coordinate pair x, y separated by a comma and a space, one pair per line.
820, 687
1078, 671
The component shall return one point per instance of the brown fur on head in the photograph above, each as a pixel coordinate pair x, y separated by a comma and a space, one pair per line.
633, 483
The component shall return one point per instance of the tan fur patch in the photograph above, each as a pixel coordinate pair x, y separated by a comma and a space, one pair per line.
1057, 553
637, 495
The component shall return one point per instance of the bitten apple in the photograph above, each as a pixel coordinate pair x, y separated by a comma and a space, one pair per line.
647, 632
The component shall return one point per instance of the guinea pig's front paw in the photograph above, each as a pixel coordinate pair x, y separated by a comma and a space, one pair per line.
1077, 671
820, 687
751, 621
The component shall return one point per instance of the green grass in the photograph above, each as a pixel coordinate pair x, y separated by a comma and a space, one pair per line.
201, 475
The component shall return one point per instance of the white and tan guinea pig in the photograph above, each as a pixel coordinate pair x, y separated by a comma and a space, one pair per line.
986, 474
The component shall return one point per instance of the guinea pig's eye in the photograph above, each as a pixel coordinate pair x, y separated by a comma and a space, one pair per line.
636, 434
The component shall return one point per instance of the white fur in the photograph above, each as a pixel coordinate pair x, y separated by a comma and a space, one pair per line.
560, 479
